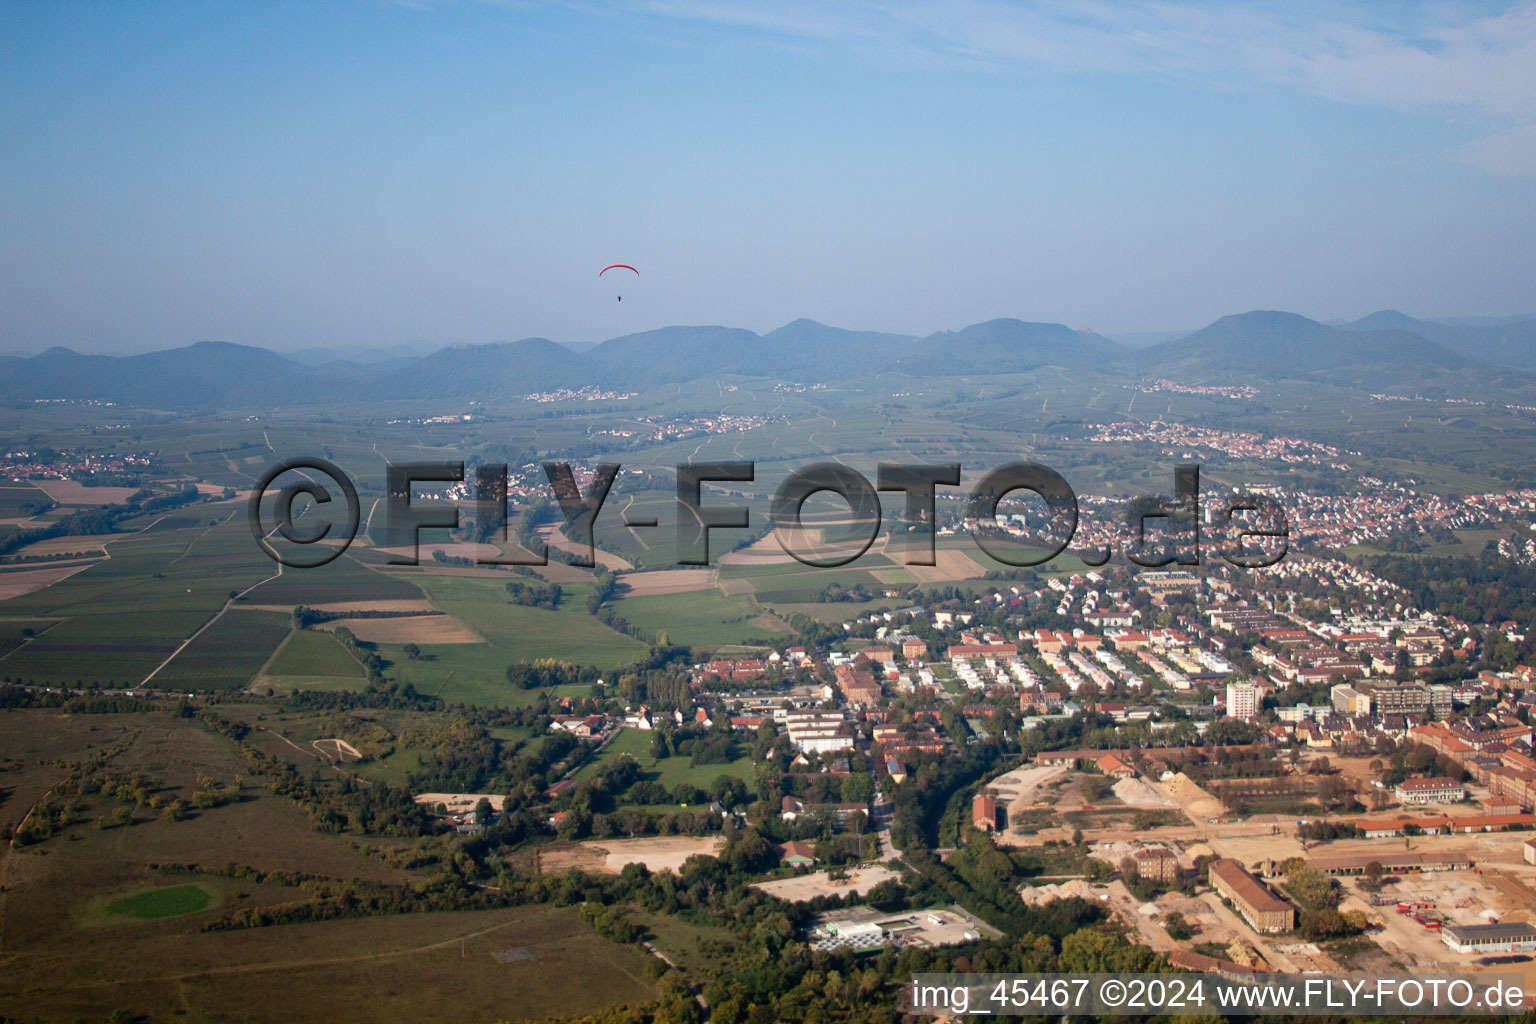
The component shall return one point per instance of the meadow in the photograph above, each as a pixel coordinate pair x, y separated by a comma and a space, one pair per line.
701, 618
669, 771
75, 902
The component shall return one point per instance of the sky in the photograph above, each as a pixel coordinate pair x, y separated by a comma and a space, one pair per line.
364, 173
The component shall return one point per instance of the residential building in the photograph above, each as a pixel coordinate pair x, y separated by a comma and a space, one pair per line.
1157, 864
1429, 791
1242, 700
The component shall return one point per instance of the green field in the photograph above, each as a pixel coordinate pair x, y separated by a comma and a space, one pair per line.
669, 771
345, 579
17, 501
701, 618
314, 657
520, 633
126, 614
228, 654
171, 901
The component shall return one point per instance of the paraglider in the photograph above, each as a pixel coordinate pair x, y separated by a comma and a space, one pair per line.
618, 266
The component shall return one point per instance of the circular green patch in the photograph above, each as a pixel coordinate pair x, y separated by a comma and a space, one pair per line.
168, 902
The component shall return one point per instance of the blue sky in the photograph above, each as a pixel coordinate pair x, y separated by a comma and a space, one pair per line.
372, 173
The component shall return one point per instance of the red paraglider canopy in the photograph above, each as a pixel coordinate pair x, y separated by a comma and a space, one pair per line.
622, 266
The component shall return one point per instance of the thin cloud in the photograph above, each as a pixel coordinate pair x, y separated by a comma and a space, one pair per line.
1427, 60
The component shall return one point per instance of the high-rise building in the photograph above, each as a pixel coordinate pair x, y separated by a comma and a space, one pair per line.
1242, 700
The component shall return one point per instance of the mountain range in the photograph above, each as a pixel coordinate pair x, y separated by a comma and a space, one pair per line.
1384, 349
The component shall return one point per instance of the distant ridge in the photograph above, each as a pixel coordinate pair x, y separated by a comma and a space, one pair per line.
1385, 348
1272, 344
1007, 345
1510, 343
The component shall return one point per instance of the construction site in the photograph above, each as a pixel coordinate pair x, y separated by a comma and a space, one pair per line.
1426, 881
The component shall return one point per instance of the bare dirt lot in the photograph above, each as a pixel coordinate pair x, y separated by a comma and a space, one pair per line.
409, 629
766, 551
668, 581
68, 492
658, 854
1199, 805
1018, 789
27, 581
66, 545
458, 803
950, 565
1136, 793
817, 883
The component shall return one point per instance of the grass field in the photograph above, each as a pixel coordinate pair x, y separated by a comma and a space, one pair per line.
20, 500
171, 901
702, 618
520, 633
669, 771
312, 657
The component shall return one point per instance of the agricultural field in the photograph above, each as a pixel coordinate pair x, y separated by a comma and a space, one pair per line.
310, 659
15, 632
123, 615
228, 654
19, 501
345, 579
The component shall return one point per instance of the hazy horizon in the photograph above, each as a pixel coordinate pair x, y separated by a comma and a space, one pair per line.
370, 174
1130, 339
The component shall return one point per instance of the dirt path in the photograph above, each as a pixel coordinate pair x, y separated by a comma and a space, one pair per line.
697, 995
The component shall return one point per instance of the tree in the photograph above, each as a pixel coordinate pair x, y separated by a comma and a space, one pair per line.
858, 788
412, 652
1373, 874
122, 816
1312, 888
1177, 928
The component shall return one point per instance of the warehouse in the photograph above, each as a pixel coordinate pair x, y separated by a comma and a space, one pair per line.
1489, 938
